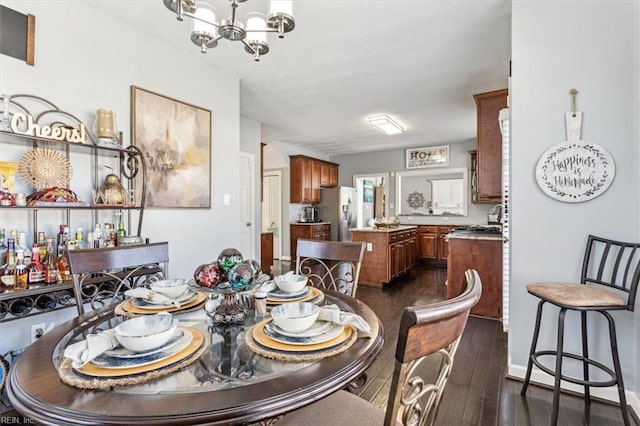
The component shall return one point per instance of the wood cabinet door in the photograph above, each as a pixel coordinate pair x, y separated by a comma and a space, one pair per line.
393, 260
428, 244
333, 175
489, 153
443, 247
315, 181
325, 174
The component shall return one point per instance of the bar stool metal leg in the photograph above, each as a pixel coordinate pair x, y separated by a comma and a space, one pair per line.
558, 373
585, 356
534, 343
616, 367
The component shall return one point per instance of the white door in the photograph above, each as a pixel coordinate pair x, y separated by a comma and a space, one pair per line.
272, 208
247, 206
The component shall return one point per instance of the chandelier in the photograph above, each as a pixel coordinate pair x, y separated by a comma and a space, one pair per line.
207, 31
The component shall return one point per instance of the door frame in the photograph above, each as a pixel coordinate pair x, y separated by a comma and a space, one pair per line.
250, 204
278, 174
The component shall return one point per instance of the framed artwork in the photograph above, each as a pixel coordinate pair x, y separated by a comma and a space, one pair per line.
176, 140
430, 156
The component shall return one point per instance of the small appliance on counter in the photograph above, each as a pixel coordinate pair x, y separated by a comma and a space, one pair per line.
309, 214
495, 215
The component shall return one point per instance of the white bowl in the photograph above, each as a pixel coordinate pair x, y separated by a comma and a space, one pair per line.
295, 317
291, 283
147, 332
170, 288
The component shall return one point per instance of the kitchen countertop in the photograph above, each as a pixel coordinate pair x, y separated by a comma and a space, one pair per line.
310, 223
474, 236
384, 230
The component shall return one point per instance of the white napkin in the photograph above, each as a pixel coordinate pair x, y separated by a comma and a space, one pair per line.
334, 314
94, 345
145, 293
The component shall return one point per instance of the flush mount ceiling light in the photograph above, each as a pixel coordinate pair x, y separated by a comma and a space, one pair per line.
207, 31
385, 124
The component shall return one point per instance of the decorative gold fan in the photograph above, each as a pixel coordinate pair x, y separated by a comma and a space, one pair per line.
43, 168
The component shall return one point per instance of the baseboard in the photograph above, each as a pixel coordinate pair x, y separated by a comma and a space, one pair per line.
285, 258
609, 394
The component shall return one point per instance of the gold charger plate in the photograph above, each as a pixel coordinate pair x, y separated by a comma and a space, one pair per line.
261, 338
315, 296
96, 371
128, 306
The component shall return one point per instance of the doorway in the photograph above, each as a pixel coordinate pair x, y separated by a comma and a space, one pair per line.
272, 208
374, 188
247, 206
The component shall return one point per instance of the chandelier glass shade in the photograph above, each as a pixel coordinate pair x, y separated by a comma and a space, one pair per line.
253, 34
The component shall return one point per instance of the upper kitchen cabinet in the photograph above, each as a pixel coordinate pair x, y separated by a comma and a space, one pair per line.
487, 175
308, 175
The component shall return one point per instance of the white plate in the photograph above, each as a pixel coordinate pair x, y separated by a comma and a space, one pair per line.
316, 329
150, 304
111, 362
278, 294
333, 331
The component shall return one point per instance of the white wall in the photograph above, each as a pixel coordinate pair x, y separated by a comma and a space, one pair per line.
592, 47
86, 60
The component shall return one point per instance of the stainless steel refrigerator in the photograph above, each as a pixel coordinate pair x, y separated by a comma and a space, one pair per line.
340, 207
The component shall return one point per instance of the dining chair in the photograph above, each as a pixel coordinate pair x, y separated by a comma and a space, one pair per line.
426, 332
100, 276
608, 282
333, 265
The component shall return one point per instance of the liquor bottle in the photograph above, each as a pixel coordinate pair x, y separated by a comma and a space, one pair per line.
80, 244
35, 269
3, 245
12, 234
44, 302
20, 307
121, 233
60, 240
89, 240
42, 240
50, 269
22, 244
20, 274
97, 236
64, 273
7, 271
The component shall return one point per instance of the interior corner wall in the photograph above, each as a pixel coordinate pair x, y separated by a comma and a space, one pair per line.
592, 47
86, 60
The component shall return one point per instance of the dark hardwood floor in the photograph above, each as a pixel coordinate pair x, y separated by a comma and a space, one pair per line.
478, 392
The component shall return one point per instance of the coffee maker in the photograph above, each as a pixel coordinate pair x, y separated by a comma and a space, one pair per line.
309, 214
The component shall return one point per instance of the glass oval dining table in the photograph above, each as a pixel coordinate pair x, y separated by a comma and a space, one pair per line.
228, 383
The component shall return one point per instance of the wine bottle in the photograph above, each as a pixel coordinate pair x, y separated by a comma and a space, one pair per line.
19, 307
7, 271
35, 269
44, 302
51, 269
20, 274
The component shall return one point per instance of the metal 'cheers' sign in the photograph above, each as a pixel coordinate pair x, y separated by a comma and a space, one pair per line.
58, 132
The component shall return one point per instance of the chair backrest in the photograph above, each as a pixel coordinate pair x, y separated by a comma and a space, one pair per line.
426, 330
613, 264
100, 276
334, 265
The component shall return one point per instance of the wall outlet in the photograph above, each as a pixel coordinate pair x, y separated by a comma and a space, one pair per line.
37, 330
369, 246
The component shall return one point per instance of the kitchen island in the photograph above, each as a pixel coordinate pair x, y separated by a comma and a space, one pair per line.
390, 253
481, 251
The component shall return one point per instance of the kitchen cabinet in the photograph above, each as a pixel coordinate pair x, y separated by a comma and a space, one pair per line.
128, 164
433, 246
488, 164
308, 175
391, 253
311, 231
483, 254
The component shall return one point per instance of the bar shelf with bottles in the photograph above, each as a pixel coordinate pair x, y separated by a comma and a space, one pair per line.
125, 162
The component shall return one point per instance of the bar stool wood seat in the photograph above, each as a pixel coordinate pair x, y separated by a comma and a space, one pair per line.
609, 282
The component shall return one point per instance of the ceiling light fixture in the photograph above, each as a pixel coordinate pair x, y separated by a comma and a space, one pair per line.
207, 31
385, 124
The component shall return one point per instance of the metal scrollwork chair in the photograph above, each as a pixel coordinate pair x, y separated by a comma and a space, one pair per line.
425, 331
334, 265
100, 276
608, 282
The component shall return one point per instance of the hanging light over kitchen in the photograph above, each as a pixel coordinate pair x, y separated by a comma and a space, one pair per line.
207, 31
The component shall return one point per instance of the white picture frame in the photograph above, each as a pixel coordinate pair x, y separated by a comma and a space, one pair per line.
430, 156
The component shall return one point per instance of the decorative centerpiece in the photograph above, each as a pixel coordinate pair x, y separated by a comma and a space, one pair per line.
229, 275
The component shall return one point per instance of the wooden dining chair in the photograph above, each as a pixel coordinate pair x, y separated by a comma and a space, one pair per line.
333, 265
426, 332
100, 276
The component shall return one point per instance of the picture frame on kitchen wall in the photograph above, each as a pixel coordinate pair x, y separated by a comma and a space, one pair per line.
176, 139
430, 156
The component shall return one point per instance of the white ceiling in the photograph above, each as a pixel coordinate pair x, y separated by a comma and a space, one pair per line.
418, 60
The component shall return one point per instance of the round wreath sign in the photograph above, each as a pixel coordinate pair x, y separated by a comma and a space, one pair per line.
575, 170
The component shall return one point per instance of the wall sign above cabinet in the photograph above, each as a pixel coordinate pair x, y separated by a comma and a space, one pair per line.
574, 171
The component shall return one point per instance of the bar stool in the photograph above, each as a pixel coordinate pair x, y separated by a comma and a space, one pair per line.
609, 281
